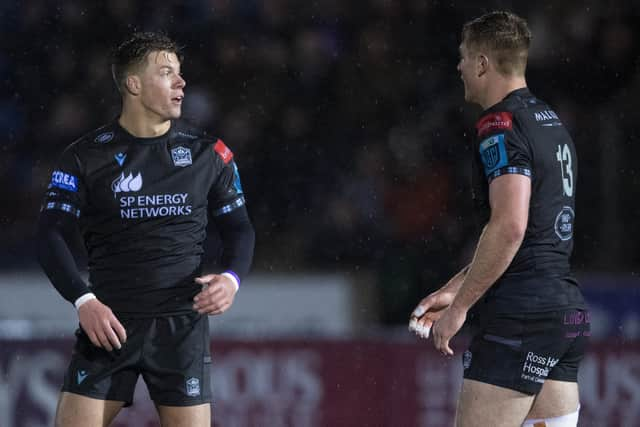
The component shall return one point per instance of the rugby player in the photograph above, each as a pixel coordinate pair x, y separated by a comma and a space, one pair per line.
531, 324
141, 190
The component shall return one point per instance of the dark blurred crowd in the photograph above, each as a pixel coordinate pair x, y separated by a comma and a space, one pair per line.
347, 120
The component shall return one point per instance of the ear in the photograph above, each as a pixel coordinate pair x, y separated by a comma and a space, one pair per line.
482, 64
133, 84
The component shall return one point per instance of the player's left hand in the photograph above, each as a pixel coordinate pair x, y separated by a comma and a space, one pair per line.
216, 296
446, 327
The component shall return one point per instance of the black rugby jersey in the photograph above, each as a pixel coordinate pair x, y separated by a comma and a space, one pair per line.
523, 135
143, 206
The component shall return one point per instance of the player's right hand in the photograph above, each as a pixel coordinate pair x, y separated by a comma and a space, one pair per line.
429, 310
101, 325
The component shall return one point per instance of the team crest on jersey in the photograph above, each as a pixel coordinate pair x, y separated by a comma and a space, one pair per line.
493, 153
181, 156
193, 387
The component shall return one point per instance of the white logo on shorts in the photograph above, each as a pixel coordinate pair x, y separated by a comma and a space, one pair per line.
193, 387
466, 359
537, 367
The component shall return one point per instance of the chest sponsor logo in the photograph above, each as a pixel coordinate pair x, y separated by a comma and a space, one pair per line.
64, 181
492, 122
154, 206
181, 156
493, 153
137, 206
126, 183
103, 138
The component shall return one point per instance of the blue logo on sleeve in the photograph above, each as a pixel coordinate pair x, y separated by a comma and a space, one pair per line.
236, 180
64, 181
493, 153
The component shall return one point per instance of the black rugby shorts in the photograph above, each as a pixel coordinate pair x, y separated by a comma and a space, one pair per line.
171, 353
521, 351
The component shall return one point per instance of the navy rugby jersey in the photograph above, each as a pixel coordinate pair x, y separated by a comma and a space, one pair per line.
143, 206
523, 135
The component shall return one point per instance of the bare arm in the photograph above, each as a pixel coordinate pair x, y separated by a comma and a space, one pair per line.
501, 238
441, 298
455, 282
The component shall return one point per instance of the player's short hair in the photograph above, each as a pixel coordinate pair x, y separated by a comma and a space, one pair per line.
133, 52
505, 35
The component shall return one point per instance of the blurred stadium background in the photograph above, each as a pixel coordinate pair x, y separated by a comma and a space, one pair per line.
353, 142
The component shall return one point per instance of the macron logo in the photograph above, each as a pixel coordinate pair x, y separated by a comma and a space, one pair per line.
81, 376
124, 184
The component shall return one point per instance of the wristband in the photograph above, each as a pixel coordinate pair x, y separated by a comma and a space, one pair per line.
234, 278
84, 298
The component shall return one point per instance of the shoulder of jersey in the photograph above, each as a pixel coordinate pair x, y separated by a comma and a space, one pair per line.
220, 148
185, 130
506, 115
499, 120
187, 133
96, 138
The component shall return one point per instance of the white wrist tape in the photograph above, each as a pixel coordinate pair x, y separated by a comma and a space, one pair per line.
233, 279
84, 298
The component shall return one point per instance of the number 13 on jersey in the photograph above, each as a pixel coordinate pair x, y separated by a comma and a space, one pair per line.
564, 157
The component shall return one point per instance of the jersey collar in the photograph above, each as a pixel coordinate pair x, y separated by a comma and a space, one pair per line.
145, 141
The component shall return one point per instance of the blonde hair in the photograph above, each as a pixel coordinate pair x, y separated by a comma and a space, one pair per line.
505, 35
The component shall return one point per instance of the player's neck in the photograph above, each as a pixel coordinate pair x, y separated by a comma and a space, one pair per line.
142, 124
500, 88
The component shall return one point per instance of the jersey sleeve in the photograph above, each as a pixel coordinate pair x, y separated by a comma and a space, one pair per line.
501, 148
63, 203
226, 195
66, 191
